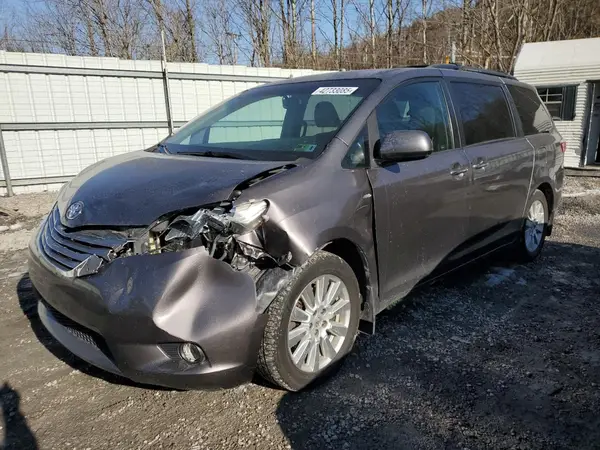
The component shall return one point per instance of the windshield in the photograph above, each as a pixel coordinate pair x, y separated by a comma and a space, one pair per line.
273, 122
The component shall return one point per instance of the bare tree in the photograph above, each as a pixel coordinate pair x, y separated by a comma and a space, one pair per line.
313, 34
286, 33
372, 30
126, 28
424, 14
293, 32
256, 15
493, 7
282, 18
221, 30
56, 28
400, 14
553, 15
465, 31
178, 21
287, 15
99, 11
335, 20
191, 30
89, 28
341, 46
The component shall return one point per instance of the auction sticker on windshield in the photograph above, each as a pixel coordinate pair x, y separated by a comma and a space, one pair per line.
335, 90
305, 147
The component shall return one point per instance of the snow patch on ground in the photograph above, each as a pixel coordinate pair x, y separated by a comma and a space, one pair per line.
499, 275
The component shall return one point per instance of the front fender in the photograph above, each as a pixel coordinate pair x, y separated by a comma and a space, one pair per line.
312, 230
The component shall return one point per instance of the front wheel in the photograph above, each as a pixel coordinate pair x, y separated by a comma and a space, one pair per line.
533, 232
312, 323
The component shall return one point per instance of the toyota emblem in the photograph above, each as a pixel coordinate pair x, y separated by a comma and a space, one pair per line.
74, 210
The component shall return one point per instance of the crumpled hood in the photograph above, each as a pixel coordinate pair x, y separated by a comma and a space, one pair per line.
136, 188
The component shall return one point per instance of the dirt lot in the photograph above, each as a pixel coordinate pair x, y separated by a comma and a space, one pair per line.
497, 356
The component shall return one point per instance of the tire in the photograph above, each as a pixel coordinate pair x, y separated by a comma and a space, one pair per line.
275, 363
530, 246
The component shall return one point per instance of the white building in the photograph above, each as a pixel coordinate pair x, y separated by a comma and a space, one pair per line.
567, 77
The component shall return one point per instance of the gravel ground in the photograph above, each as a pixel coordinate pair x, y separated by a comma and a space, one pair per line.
27, 206
19, 215
496, 356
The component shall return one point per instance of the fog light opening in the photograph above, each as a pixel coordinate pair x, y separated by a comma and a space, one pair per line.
191, 353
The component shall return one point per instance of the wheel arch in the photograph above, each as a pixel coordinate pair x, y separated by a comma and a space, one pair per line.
546, 189
357, 259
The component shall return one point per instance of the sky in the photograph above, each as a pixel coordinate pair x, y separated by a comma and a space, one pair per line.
6, 6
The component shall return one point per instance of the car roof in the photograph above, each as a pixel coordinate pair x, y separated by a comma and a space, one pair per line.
383, 74
348, 75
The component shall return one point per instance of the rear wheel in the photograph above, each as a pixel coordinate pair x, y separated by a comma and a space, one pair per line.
533, 233
312, 323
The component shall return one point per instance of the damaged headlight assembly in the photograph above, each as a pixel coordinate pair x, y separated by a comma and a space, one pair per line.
231, 233
215, 228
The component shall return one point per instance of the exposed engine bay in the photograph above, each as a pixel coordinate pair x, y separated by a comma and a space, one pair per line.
226, 231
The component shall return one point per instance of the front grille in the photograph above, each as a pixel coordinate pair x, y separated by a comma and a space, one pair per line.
79, 331
67, 249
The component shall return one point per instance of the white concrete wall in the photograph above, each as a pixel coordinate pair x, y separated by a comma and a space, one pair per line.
40, 154
71, 97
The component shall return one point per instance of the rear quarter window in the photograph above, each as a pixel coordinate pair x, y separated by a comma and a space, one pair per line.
534, 117
484, 112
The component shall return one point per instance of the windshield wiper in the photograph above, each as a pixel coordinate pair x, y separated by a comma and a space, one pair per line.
210, 154
162, 146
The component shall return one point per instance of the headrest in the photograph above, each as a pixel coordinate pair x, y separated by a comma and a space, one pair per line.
326, 116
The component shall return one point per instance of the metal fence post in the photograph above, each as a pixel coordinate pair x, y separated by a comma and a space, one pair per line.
166, 83
4, 164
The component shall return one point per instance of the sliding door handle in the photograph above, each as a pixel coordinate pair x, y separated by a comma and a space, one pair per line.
480, 165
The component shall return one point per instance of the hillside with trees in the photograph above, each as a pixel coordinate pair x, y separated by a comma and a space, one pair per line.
319, 34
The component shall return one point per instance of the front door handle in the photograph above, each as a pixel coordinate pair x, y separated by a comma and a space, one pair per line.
458, 171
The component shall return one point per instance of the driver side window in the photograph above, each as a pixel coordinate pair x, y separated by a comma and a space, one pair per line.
418, 106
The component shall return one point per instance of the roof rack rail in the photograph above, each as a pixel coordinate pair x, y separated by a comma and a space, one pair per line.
494, 73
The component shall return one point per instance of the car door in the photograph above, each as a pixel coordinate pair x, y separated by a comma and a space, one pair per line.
421, 213
501, 161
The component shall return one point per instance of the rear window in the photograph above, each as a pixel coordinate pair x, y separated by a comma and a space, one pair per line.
531, 111
484, 112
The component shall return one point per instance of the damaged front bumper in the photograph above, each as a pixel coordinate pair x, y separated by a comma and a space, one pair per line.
133, 314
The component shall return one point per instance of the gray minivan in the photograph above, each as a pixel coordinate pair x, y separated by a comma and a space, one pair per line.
267, 231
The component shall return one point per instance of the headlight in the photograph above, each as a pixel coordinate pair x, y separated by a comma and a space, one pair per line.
208, 227
247, 216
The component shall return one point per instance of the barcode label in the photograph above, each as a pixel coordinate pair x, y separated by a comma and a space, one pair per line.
335, 90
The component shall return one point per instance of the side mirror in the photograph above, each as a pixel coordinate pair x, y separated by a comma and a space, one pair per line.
408, 145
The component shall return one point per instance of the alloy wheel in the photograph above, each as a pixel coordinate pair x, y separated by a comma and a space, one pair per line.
534, 226
319, 323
